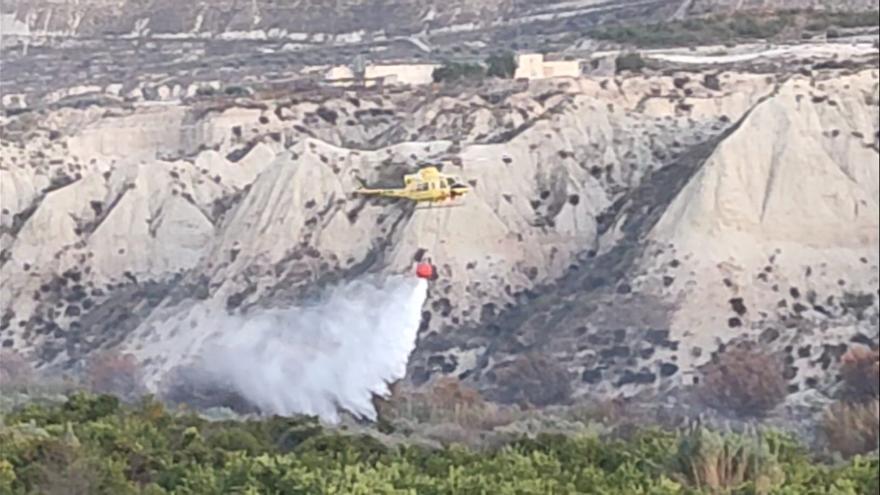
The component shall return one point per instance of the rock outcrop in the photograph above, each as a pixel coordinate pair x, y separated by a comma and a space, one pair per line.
745, 236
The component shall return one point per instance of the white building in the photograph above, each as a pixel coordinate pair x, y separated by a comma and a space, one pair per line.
388, 74
533, 66
11, 26
339, 72
18, 100
403, 74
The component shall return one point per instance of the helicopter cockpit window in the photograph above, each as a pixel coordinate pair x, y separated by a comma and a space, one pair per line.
455, 183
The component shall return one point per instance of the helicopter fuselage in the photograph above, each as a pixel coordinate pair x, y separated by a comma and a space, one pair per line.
428, 185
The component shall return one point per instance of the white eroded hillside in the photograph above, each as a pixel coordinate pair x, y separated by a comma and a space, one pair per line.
620, 228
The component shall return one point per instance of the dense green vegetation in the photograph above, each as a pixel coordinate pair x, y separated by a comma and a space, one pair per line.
629, 61
455, 72
93, 444
742, 26
501, 66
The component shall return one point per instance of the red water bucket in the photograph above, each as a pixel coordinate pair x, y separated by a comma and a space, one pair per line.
425, 270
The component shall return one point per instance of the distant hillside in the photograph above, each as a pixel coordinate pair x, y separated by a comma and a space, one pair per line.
162, 17
361, 20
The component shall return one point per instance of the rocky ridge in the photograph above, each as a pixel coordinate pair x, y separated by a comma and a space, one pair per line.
621, 230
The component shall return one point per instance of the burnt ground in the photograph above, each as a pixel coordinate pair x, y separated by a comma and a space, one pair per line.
590, 319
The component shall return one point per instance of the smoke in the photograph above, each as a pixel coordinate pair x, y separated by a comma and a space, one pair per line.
316, 359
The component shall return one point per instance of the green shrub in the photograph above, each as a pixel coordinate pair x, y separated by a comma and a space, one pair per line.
446, 401
720, 464
205, 91
852, 428
502, 66
860, 370
236, 91
532, 379
456, 72
632, 62
744, 380
116, 374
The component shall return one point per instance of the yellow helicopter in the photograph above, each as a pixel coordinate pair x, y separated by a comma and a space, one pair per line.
428, 185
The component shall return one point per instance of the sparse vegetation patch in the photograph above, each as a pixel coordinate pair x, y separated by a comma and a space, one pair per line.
502, 66
744, 380
733, 28
457, 72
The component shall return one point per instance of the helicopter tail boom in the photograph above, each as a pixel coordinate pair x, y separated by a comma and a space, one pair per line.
378, 192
